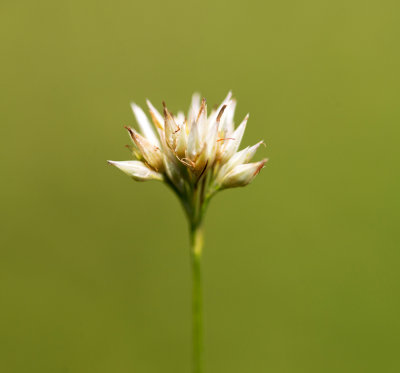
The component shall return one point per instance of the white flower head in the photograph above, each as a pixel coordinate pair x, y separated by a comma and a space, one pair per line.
196, 155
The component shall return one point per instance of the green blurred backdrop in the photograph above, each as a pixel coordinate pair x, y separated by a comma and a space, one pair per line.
301, 268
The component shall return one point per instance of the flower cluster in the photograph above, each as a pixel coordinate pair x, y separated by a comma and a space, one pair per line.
193, 151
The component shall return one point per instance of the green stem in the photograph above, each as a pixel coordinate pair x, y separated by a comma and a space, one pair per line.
196, 240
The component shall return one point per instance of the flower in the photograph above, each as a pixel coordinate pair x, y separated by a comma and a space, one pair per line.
193, 152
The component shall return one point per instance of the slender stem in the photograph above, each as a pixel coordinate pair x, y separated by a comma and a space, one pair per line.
196, 238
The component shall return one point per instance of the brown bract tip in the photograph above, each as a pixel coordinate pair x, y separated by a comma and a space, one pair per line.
202, 108
129, 129
260, 166
167, 114
220, 113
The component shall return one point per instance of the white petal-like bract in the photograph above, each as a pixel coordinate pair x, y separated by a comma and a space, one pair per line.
242, 175
138, 170
144, 124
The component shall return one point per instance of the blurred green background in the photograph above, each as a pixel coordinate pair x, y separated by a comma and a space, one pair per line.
301, 268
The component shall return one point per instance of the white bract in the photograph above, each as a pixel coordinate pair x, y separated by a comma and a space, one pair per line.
193, 152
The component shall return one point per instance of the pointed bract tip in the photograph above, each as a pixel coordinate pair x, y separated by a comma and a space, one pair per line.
203, 109
261, 166
149, 105
131, 131
165, 110
220, 113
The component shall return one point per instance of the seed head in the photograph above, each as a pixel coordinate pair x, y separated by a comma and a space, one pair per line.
197, 151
